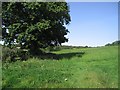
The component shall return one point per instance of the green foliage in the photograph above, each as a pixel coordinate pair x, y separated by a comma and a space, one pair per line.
13, 54
51, 48
115, 43
7, 54
97, 68
35, 25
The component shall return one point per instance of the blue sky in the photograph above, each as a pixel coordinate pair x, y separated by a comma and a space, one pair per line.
93, 23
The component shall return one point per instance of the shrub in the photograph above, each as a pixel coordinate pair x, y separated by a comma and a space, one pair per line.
6, 54
51, 48
13, 54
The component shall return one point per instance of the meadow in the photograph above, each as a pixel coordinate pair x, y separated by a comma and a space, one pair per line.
76, 68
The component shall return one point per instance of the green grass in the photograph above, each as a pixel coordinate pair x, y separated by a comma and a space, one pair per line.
77, 68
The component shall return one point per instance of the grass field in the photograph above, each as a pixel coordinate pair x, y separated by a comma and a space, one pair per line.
77, 68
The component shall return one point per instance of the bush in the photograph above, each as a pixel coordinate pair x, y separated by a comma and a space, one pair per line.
51, 48
13, 54
7, 54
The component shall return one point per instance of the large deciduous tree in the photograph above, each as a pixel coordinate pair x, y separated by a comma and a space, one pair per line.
34, 25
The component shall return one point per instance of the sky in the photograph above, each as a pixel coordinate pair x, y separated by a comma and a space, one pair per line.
92, 23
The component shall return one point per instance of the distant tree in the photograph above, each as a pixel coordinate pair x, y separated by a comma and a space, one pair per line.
86, 46
116, 43
34, 25
113, 43
108, 44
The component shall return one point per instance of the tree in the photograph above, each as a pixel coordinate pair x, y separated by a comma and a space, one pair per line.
113, 43
34, 25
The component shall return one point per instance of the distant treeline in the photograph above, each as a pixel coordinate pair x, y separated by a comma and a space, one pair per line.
57, 48
68, 47
114, 43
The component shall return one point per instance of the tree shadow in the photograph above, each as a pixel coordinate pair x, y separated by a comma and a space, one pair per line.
70, 55
61, 56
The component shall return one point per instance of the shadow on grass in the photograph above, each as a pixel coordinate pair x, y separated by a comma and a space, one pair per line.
61, 56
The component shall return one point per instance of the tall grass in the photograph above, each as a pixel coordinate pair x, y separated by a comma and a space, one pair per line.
77, 68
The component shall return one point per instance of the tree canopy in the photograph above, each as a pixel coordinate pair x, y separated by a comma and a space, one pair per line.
34, 25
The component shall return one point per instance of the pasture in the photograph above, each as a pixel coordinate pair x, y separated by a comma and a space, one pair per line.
76, 68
